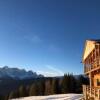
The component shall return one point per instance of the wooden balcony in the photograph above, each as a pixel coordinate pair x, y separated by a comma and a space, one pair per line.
93, 66
92, 92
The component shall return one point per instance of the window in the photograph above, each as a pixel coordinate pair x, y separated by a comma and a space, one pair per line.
98, 82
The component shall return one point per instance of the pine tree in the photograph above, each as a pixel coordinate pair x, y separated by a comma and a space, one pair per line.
41, 86
27, 90
2, 97
6, 97
33, 90
72, 84
65, 88
55, 86
22, 91
12, 95
60, 85
81, 80
48, 84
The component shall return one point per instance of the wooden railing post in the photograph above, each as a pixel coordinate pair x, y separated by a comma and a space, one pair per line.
94, 93
90, 77
85, 92
98, 94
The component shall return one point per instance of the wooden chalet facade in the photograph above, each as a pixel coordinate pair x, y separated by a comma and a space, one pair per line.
91, 61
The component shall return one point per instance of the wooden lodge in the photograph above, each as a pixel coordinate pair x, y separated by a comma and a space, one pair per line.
91, 61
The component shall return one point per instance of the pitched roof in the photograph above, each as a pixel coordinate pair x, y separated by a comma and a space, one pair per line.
89, 46
95, 40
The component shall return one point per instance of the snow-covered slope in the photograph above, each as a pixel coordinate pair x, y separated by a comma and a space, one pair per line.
54, 97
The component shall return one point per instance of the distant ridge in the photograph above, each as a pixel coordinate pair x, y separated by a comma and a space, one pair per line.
16, 73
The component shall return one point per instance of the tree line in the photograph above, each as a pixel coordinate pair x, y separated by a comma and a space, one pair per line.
66, 84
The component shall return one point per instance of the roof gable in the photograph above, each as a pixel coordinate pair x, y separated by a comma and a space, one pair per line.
89, 46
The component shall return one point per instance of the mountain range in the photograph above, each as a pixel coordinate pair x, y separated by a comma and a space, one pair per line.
16, 73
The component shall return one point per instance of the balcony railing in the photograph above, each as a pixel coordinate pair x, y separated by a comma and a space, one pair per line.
95, 64
92, 92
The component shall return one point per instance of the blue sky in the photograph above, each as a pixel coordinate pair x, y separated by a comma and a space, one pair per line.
47, 36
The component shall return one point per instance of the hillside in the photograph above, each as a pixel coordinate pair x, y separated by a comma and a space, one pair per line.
37, 87
8, 84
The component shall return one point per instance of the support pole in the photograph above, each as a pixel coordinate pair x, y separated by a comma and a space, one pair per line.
90, 77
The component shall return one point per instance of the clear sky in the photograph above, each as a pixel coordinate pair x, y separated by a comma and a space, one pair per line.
47, 36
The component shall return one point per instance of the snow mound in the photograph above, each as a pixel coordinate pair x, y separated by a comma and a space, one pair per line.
54, 97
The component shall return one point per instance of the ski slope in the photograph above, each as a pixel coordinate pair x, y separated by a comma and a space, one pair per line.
54, 97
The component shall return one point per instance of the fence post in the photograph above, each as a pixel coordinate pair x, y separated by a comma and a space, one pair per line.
94, 92
98, 94
84, 92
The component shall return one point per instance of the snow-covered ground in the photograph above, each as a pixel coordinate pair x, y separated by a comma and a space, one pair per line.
54, 97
